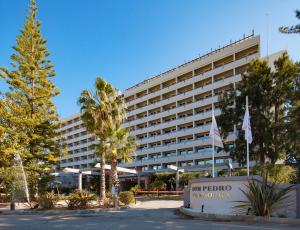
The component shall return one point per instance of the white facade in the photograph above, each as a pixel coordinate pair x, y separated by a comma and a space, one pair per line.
79, 143
170, 114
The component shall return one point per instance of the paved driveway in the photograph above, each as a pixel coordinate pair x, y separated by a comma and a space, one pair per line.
155, 214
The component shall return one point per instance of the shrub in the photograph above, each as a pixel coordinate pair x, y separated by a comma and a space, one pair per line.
222, 173
186, 177
166, 177
80, 199
262, 197
136, 188
126, 197
278, 174
239, 172
158, 185
47, 200
107, 202
4, 198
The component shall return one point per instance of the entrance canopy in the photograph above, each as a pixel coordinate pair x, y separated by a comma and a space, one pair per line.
92, 171
119, 169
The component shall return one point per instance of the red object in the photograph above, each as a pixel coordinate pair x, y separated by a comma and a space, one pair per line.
160, 192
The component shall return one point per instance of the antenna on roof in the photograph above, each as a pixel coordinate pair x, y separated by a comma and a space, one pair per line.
252, 32
267, 18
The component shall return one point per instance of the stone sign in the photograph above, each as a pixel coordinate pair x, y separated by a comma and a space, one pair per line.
216, 196
220, 195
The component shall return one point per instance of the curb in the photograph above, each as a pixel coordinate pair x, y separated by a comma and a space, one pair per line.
252, 219
63, 211
138, 203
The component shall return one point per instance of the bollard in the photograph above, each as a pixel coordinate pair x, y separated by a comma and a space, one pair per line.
134, 197
12, 205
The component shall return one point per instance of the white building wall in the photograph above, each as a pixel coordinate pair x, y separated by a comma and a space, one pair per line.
189, 120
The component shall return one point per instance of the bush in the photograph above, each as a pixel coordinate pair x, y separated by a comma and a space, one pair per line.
136, 188
158, 185
126, 197
48, 200
239, 172
80, 199
186, 177
167, 178
4, 198
222, 173
278, 174
107, 202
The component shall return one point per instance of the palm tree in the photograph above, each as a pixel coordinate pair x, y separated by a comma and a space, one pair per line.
101, 109
122, 146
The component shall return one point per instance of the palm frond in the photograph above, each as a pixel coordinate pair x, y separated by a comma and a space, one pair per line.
262, 197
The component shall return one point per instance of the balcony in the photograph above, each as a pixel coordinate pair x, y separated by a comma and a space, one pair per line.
203, 69
185, 77
141, 94
175, 122
172, 146
154, 89
174, 159
202, 73
169, 83
247, 52
223, 61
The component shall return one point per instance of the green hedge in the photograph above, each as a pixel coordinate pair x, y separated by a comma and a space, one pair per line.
126, 197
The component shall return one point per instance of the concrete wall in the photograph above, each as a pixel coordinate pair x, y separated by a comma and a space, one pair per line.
213, 196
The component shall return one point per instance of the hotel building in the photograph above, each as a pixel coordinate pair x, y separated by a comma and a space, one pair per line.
170, 114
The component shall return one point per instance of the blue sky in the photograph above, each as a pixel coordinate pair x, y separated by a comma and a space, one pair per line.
126, 41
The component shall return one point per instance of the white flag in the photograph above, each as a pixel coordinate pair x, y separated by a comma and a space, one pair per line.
247, 127
215, 134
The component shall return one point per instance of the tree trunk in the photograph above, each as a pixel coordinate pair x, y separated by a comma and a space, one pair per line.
114, 181
114, 172
262, 155
102, 180
275, 141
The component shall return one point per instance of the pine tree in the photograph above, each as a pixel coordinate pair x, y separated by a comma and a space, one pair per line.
28, 117
293, 29
284, 79
256, 83
294, 125
269, 102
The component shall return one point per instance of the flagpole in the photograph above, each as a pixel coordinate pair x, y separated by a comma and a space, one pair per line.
247, 130
213, 147
213, 158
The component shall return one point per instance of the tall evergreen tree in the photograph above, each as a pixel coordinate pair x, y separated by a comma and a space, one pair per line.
256, 83
293, 29
283, 85
28, 115
269, 103
294, 124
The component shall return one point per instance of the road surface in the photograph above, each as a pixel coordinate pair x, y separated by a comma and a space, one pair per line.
152, 214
